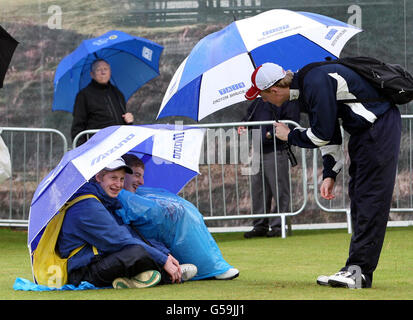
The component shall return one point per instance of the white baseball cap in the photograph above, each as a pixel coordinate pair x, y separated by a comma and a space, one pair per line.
264, 77
118, 164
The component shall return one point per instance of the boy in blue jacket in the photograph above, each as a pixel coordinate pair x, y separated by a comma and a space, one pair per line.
375, 131
114, 254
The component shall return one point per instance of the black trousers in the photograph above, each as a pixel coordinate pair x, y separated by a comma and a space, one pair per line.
128, 262
374, 155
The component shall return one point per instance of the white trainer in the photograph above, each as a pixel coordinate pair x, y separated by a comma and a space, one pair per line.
347, 280
322, 280
228, 275
188, 271
344, 279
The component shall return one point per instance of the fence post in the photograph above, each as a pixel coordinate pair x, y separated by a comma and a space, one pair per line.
349, 225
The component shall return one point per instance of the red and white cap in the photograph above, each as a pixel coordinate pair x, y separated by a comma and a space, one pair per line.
264, 77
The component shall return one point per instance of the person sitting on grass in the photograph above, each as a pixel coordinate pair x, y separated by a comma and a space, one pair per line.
113, 254
170, 219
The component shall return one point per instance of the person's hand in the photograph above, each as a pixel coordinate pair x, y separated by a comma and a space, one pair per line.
241, 130
326, 188
281, 131
127, 117
173, 269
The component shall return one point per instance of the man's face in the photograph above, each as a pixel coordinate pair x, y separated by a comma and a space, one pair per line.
101, 73
112, 182
276, 95
133, 181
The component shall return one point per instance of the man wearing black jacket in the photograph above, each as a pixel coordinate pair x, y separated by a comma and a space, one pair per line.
269, 184
373, 148
100, 104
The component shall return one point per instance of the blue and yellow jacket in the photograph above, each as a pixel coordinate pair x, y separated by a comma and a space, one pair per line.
95, 223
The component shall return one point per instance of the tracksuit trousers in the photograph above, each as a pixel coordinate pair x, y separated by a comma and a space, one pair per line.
374, 155
128, 262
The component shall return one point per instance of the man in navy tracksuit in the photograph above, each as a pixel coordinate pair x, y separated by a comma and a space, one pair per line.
375, 131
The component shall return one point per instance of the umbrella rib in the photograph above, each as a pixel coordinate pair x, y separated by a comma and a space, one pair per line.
199, 97
252, 60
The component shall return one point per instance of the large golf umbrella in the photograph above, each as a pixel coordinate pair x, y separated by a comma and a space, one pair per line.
7, 46
218, 70
133, 60
176, 161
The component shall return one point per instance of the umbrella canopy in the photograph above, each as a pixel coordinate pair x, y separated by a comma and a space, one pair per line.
133, 60
175, 161
7, 46
218, 70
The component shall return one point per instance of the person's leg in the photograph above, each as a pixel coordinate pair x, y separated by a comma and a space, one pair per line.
376, 155
277, 177
129, 262
260, 225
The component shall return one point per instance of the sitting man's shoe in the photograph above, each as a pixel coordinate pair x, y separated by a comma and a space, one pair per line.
144, 279
346, 279
255, 233
274, 233
188, 271
228, 275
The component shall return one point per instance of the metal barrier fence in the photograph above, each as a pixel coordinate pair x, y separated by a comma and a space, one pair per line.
33, 153
403, 191
236, 196
222, 193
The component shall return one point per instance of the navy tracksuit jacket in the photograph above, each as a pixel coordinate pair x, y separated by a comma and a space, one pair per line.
121, 251
375, 131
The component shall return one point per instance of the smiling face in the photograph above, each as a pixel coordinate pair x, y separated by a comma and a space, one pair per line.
133, 181
111, 181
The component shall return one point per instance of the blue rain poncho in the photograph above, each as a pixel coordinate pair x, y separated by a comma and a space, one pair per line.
177, 223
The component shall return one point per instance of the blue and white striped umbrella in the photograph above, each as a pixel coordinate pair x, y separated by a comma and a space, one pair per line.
217, 72
171, 156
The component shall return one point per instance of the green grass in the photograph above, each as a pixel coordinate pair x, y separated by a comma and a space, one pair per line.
271, 269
